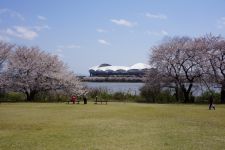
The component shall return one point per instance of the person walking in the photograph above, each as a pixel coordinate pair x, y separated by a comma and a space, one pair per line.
211, 105
96, 99
85, 99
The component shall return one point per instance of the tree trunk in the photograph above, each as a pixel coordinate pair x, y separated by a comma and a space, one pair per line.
30, 95
177, 92
186, 97
222, 92
186, 92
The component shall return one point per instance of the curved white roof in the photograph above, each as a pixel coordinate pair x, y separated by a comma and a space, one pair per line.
138, 66
113, 68
94, 68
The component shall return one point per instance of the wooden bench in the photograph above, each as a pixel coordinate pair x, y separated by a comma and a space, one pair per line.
77, 101
101, 101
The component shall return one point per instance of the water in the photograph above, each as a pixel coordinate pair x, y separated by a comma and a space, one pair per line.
198, 89
132, 88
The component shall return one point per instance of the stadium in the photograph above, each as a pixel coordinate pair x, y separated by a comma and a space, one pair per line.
138, 69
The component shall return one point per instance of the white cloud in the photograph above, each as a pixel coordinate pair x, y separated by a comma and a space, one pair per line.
164, 33
61, 49
157, 33
70, 46
221, 23
104, 42
41, 27
22, 32
101, 30
11, 13
123, 22
41, 17
156, 16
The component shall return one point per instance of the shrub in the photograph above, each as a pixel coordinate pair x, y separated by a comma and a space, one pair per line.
93, 92
119, 96
165, 97
104, 93
155, 94
13, 97
52, 96
150, 93
204, 98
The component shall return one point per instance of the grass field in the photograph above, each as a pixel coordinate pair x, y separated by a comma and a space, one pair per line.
116, 126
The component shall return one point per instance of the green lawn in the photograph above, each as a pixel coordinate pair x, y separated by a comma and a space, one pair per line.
116, 126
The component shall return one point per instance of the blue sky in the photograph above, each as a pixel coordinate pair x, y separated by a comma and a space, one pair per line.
85, 33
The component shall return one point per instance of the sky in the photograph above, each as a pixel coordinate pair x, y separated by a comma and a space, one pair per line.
86, 33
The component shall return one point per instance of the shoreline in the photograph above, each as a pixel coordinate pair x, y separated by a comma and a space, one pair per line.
112, 79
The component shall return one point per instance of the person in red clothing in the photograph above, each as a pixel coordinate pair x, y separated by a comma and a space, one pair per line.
73, 99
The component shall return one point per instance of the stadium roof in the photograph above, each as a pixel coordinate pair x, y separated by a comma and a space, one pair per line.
138, 66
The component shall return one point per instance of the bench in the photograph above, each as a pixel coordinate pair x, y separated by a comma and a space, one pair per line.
101, 101
77, 101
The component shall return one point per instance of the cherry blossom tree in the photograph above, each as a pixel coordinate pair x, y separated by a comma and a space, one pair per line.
31, 71
178, 60
214, 61
5, 49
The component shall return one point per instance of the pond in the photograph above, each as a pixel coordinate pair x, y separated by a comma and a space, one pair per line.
132, 88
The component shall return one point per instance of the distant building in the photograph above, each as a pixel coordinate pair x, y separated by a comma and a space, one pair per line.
138, 69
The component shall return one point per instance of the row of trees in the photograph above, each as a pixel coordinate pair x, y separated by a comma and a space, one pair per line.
31, 71
180, 62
